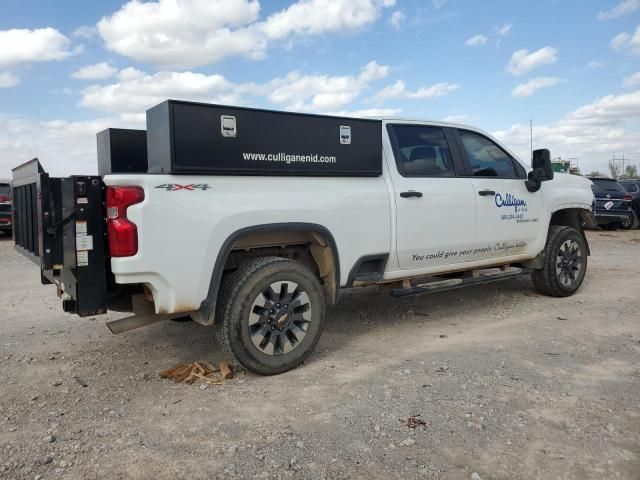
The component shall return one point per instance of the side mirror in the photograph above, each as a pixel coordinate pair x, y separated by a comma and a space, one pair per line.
542, 170
542, 160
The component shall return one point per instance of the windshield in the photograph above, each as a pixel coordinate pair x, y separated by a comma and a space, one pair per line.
5, 189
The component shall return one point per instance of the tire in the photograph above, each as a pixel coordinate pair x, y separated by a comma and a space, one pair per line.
266, 335
628, 223
632, 223
565, 262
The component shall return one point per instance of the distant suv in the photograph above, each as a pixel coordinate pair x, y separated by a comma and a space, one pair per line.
613, 203
633, 188
5, 206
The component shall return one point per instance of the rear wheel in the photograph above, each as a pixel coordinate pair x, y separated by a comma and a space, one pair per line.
632, 222
270, 314
565, 262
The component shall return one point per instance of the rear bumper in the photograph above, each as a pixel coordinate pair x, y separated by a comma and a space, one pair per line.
609, 218
5, 222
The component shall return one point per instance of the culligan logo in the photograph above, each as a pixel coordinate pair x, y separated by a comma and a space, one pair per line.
510, 200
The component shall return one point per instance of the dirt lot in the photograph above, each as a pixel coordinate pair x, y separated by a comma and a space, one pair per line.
510, 385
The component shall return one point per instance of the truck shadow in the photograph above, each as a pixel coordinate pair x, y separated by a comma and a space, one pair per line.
360, 312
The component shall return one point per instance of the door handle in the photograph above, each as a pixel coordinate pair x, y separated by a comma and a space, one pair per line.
410, 193
486, 193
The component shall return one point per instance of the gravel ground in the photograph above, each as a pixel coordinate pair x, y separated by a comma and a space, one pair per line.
510, 384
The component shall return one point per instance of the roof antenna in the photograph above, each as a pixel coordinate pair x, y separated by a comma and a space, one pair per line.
531, 139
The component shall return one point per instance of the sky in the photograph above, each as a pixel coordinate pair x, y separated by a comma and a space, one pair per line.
71, 68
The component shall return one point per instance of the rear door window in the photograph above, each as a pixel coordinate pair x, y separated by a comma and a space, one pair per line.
422, 151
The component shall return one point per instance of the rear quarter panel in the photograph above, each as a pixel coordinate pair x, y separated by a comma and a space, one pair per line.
180, 232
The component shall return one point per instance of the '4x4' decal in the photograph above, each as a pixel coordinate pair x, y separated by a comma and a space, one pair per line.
172, 187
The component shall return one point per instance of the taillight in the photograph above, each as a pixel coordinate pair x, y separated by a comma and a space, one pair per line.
5, 199
122, 233
628, 197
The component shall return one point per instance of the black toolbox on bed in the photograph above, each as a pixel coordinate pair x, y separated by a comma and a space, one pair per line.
206, 139
59, 225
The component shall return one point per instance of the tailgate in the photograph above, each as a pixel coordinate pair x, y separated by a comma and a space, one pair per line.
58, 223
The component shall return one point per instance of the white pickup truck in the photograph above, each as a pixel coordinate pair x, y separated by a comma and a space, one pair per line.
253, 221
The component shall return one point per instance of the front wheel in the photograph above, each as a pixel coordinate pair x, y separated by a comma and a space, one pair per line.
270, 314
565, 262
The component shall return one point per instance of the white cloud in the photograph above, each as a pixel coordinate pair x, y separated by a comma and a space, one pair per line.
135, 91
522, 61
625, 40
98, 71
503, 30
312, 17
130, 73
170, 33
320, 93
620, 40
182, 34
396, 19
595, 64
86, 31
476, 41
373, 71
592, 132
63, 147
8, 80
632, 80
24, 46
609, 108
438, 4
399, 90
532, 86
20, 46
623, 8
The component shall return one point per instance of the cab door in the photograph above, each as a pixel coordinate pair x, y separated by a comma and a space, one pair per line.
435, 207
509, 216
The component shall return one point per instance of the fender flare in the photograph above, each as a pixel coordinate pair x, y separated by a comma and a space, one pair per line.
205, 314
583, 215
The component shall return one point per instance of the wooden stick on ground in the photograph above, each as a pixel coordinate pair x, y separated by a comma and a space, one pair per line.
169, 372
179, 375
225, 370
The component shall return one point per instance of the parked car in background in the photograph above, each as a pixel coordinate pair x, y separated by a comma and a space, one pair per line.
633, 188
5, 205
612, 203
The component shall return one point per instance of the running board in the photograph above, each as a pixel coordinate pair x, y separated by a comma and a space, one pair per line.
479, 277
